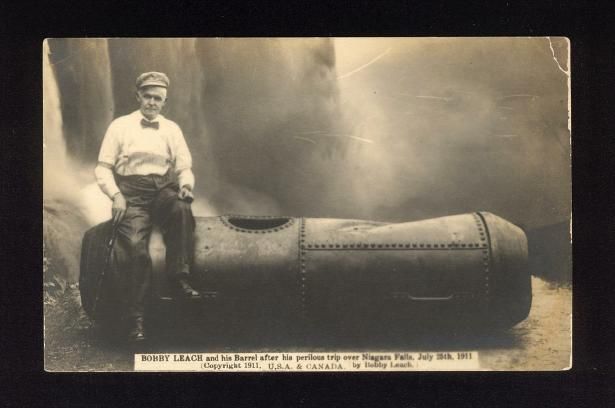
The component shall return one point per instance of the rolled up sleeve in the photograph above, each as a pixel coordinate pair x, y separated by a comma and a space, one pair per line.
110, 147
105, 180
107, 157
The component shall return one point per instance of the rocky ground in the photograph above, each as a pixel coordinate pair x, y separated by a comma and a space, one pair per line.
541, 342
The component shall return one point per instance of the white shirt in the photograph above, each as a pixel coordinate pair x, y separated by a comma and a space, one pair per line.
128, 148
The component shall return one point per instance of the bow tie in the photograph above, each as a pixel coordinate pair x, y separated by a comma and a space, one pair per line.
146, 124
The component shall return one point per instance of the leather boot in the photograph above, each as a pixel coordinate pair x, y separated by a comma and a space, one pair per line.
137, 331
186, 290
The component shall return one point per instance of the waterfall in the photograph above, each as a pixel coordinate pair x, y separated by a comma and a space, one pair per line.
55, 173
386, 129
63, 223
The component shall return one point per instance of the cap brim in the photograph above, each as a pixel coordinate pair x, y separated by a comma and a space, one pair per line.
153, 83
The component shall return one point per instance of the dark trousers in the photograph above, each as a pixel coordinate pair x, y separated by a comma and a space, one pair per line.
150, 200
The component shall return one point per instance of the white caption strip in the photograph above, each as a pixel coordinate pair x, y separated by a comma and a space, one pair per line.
330, 361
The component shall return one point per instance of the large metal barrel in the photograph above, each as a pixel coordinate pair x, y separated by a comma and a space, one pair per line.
277, 273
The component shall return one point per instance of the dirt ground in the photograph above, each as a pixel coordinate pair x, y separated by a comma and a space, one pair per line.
541, 342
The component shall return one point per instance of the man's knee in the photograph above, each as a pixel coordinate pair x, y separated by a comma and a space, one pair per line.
181, 209
137, 245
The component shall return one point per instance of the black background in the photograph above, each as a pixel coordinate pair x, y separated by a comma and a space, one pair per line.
23, 381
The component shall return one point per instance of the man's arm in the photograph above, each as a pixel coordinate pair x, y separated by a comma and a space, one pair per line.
105, 179
183, 166
107, 156
104, 173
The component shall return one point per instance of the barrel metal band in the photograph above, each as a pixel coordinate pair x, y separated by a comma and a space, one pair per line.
414, 246
302, 267
483, 232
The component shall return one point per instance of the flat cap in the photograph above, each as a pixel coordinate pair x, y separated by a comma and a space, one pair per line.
152, 79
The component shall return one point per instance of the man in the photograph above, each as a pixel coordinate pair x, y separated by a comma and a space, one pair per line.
144, 166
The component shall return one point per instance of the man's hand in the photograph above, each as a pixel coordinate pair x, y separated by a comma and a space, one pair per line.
118, 209
185, 194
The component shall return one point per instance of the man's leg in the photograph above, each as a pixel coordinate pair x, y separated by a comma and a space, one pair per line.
134, 267
177, 223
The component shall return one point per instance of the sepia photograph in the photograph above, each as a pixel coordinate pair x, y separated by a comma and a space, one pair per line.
341, 204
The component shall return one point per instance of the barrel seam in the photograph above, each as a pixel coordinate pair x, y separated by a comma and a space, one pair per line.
489, 255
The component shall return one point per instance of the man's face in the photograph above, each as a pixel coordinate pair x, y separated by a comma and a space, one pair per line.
151, 99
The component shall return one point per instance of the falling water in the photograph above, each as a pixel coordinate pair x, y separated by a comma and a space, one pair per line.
54, 149
63, 223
